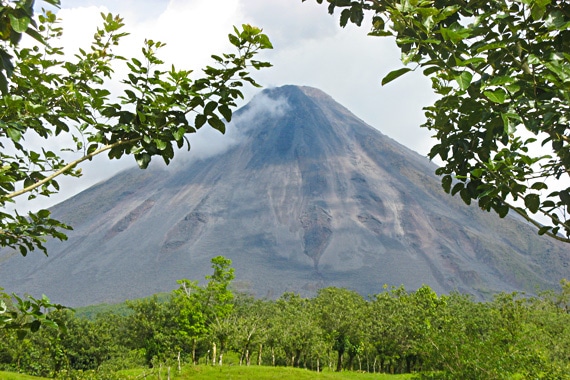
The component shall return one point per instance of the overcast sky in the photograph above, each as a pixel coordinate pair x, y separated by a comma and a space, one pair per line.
309, 49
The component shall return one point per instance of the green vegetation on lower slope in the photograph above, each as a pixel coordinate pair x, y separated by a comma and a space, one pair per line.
403, 332
92, 311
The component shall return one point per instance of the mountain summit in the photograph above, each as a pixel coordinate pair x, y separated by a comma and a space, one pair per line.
307, 196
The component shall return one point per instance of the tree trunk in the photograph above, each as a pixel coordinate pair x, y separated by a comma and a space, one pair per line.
339, 362
273, 356
350, 363
193, 351
179, 361
259, 354
214, 356
247, 357
318, 363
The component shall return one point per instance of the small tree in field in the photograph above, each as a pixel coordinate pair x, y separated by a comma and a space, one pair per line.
205, 311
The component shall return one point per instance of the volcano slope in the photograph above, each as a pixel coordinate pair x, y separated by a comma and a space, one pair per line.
307, 196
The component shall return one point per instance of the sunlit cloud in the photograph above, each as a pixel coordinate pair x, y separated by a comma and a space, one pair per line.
310, 49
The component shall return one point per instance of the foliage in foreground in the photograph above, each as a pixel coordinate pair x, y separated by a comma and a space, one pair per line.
501, 71
397, 331
67, 103
46, 96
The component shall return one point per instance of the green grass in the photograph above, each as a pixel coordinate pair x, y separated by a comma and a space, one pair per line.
255, 372
17, 376
233, 373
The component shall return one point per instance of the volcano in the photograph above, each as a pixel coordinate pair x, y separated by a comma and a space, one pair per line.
307, 196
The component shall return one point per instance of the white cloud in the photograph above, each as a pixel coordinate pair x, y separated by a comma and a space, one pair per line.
260, 105
207, 142
310, 49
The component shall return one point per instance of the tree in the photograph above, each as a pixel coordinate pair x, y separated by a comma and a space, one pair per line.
190, 318
251, 324
205, 311
152, 329
46, 96
501, 70
341, 315
295, 329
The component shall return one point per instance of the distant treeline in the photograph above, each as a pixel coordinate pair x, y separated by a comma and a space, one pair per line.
397, 331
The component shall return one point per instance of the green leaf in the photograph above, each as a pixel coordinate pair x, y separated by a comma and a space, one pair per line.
454, 36
264, 42
21, 334
44, 214
199, 121
3, 83
234, 40
160, 144
464, 80
458, 187
431, 69
226, 112
446, 183
179, 133
497, 96
477, 172
216, 123
19, 25
532, 202
210, 107
502, 210
35, 325
344, 17
356, 15
14, 134
539, 186
395, 74
465, 196
537, 11
143, 160
509, 124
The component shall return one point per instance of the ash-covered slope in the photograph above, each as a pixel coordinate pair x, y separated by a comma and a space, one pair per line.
310, 196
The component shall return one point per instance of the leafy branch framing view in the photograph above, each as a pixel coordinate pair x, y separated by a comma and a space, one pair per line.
501, 70
44, 95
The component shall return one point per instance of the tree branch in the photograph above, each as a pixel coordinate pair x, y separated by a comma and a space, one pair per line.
68, 167
522, 213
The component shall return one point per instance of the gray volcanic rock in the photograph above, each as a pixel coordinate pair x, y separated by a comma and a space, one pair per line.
309, 196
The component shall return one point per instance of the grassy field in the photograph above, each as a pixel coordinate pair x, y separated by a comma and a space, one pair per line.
257, 372
233, 373
17, 376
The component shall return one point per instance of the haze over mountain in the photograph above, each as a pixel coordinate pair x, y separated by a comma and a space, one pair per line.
306, 196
